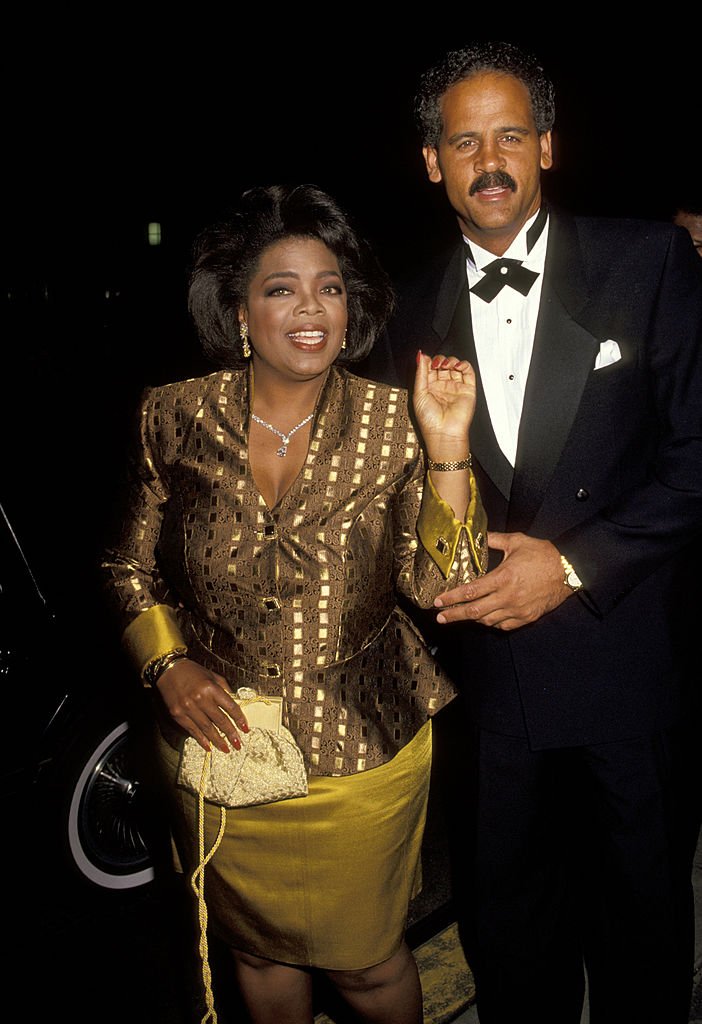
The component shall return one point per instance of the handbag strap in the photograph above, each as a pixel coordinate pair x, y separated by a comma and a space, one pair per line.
198, 885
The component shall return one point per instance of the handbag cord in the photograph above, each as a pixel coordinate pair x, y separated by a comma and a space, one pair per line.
198, 877
198, 884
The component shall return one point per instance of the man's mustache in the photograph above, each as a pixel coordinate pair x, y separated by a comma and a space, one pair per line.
498, 179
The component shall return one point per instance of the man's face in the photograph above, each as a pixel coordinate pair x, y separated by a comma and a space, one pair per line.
693, 223
490, 157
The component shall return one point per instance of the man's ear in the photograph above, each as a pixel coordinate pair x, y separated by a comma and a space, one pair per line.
546, 144
431, 159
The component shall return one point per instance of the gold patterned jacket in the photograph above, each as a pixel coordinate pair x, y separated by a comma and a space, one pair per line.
300, 600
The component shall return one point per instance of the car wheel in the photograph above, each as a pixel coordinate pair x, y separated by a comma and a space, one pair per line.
106, 837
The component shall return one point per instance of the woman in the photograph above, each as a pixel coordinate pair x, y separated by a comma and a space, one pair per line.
273, 522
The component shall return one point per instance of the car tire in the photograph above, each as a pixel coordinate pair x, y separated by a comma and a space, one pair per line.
106, 838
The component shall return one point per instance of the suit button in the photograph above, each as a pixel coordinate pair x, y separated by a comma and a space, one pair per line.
582, 494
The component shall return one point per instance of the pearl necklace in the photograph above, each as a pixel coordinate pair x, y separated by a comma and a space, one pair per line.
283, 450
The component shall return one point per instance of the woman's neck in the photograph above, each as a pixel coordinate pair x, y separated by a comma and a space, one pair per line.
286, 401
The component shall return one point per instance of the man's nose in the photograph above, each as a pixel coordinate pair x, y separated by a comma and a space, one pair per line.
489, 158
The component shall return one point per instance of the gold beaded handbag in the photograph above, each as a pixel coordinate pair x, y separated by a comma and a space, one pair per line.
268, 766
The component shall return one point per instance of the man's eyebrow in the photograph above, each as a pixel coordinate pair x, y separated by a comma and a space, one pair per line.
515, 129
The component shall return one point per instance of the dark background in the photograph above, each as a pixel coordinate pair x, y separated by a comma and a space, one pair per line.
110, 125
116, 118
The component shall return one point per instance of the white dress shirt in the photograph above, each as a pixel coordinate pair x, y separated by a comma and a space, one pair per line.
504, 335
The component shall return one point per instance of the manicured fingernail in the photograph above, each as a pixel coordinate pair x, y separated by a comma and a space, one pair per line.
436, 362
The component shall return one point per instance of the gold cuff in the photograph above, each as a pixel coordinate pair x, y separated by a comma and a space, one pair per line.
440, 531
151, 635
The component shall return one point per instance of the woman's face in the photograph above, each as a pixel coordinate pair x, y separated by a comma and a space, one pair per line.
296, 310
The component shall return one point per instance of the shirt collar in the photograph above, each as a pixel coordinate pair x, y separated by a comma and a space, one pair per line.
478, 258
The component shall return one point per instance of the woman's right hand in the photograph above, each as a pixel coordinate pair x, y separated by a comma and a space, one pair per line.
196, 699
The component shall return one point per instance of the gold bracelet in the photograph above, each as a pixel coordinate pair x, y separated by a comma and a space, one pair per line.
447, 467
157, 666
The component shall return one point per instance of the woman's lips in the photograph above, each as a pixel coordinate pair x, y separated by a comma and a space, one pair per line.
309, 341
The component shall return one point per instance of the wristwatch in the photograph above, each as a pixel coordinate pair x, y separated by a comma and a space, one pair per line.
570, 576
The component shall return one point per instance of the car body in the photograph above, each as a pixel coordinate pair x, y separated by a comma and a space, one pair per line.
73, 756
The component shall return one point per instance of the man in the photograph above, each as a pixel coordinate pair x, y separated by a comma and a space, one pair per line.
587, 444
688, 215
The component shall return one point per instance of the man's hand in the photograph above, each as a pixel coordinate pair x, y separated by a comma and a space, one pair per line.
527, 584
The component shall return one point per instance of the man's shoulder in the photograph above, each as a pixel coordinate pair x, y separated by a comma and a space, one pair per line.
411, 326
433, 282
427, 273
633, 233
616, 251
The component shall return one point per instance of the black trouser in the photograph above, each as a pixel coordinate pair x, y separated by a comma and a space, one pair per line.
566, 857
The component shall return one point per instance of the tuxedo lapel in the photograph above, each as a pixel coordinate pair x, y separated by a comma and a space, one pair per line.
452, 323
448, 296
562, 359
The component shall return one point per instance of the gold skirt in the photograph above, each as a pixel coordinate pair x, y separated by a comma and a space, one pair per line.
318, 881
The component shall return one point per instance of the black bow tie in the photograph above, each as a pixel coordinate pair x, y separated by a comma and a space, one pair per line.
501, 272
511, 272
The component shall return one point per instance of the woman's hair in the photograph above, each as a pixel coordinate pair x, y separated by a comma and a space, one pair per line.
226, 256
457, 65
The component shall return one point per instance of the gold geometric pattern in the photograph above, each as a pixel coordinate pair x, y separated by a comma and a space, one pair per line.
300, 600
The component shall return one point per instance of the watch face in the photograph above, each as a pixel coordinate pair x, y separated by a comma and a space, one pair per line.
573, 580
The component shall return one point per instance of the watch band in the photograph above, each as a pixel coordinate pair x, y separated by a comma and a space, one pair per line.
570, 576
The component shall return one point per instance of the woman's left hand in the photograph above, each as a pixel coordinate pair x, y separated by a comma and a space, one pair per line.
444, 402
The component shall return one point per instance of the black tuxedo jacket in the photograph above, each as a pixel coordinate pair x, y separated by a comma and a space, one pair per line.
608, 467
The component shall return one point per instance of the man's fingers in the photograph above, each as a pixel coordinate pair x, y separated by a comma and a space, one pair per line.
479, 588
475, 611
458, 613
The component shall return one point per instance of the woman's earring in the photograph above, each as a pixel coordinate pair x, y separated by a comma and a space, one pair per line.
244, 335
343, 343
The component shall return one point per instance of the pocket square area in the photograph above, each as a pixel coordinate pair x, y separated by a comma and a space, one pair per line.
609, 353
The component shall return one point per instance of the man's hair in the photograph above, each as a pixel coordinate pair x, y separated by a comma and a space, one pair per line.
689, 203
227, 254
457, 65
